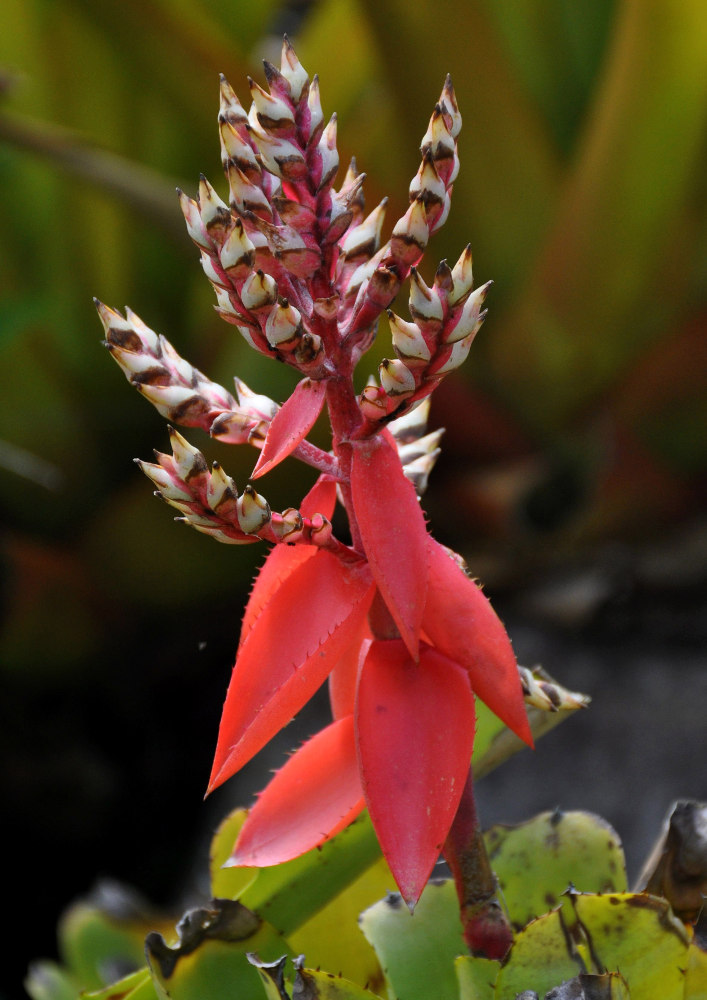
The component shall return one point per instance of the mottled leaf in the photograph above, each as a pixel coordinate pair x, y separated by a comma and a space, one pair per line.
228, 883
536, 861
417, 951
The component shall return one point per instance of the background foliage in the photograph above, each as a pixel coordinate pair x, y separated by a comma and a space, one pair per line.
579, 418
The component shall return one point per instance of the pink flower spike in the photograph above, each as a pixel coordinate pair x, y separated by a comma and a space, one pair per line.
314, 796
393, 532
291, 424
415, 735
306, 626
461, 623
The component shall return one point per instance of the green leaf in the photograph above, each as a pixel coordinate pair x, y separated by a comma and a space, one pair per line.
417, 951
228, 883
548, 705
47, 981
638, 935
316, 985
476, 977
537, 860
538, 961
632, 933
137, 986
211, 952
94, 944
309, 984
332, 938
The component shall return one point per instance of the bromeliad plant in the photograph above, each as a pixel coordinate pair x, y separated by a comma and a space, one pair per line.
406, 638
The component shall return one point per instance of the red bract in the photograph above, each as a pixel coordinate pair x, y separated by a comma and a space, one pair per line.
405, 637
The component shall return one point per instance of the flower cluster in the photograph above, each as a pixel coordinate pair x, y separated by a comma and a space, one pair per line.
389, 616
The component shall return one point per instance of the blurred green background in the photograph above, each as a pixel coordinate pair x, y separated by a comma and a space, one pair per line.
579, 420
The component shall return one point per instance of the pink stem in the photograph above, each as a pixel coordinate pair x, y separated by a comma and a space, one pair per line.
487, 931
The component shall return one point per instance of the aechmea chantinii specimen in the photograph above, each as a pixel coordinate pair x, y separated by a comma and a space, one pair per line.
405, 637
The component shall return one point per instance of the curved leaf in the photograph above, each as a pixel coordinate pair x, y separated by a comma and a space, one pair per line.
292, 645
461, 623
415, 735
292, 422
393, 533
314, 796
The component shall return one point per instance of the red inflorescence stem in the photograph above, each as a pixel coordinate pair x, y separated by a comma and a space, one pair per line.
487, 931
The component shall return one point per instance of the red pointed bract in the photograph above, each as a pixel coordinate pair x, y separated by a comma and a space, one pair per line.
393, 532
415, 735
291, 424
314, 796
344, 677
299, 635
321, 499
284, 559
461, 623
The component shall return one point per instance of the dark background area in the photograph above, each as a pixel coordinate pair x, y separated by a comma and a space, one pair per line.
574, 465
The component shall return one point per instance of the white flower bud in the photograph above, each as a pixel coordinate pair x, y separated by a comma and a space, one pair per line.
407, 339
253, 511
396, 378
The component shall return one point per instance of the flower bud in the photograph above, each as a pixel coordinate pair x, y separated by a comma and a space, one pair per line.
462, 276
189, 461
283, 326
373, 402
328, 153
272, 112
364, 239
412, 424
215, 214
471, 316
233, 427
458, 355
438, 138
221, 491
419, 447
315, 108
321, 530
246, 196
253, 511
255, 403
425, 305
235, 150
418, 471
448, 104
238, 252
192, 217
180, 403
259, 290
217, 280
293, 70
288, 525
167, 484
410, 234
230, 110
407, 339
280, 156
426, 184
396, 378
